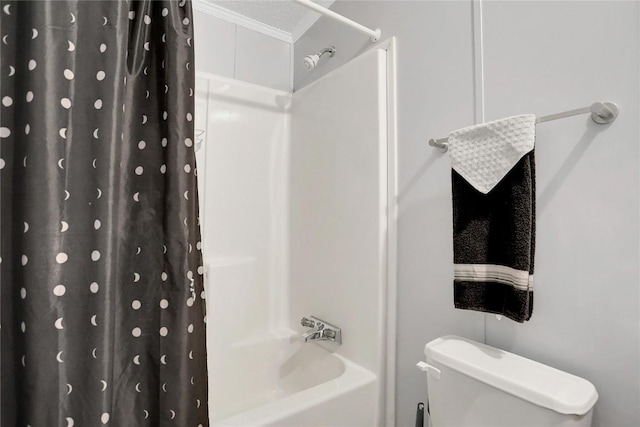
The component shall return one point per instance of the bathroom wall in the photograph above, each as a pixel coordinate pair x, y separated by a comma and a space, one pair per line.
338, 201
586, 317
233, 51
539, 57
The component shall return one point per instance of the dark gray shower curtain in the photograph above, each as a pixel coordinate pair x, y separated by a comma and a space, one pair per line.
101, 280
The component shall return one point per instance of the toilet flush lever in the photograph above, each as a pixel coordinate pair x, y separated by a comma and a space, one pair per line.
429, 369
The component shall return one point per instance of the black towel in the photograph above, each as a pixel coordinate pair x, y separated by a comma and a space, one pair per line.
494, 242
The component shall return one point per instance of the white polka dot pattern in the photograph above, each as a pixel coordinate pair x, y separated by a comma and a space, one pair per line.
97, 120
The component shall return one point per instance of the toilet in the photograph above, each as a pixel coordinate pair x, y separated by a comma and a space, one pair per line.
474, 385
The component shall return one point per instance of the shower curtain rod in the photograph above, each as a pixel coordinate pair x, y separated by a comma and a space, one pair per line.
373, 34
601, 113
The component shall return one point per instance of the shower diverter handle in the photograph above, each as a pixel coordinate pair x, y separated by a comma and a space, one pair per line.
306, 322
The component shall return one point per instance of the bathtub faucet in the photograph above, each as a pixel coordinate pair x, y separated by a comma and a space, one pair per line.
320, 330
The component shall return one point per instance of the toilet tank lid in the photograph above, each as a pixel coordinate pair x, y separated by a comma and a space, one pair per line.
529, 380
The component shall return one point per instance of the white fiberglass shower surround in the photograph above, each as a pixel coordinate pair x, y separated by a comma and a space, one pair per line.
297, 195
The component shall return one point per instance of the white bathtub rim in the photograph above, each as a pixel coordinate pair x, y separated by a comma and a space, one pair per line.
354, 377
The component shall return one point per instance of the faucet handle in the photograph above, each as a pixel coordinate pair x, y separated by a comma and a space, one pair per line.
305, 321
329, 333
320, 330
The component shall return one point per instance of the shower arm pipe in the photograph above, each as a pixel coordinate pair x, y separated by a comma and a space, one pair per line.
601, 113
373, 34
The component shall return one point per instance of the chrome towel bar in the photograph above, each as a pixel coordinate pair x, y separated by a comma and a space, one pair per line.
601, 113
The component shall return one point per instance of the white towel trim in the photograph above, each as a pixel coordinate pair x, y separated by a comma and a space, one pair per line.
519, 279
483, 154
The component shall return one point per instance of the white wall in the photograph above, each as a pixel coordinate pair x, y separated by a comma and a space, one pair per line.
338, 210
234, 51
539, 57
338, 206
586, 317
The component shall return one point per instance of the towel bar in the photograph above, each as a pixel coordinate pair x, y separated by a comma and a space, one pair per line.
601, 113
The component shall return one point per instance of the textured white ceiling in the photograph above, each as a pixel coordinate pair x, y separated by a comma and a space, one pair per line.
284, 15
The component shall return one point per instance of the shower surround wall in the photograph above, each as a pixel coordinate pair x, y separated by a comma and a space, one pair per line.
539, 57
338, 207
242, 171
294, 216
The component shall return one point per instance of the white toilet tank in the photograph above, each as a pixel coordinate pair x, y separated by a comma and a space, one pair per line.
475, 385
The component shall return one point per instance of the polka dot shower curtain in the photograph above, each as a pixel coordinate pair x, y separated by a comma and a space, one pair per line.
101, 281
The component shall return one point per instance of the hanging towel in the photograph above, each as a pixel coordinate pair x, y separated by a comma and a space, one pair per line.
494, 216
484, 154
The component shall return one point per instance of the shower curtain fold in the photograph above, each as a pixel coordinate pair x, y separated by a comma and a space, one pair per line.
101, 286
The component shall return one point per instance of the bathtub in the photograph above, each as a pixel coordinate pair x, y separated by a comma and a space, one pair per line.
277, 380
